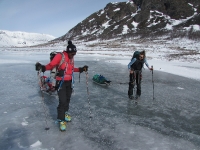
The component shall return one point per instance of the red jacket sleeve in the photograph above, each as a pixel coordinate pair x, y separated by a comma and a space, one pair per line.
76, 70
55, 62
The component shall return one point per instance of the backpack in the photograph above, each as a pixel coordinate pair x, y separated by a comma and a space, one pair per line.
135, 55
54, 71
138, 65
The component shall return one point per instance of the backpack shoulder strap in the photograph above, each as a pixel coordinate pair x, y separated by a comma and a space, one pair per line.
62, 60
54, 71
136, 54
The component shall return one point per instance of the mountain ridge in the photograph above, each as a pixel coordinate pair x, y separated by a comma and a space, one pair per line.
123, 19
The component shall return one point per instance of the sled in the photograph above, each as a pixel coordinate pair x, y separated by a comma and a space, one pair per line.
46, 85
100, 80
103, 84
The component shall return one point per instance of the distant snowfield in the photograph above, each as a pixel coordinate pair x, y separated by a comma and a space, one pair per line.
189, 70
178, 56
123, 131
186, 69
4, 61
20, 39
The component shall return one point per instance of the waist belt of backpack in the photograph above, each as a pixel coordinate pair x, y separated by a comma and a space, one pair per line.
64, 77
61, 82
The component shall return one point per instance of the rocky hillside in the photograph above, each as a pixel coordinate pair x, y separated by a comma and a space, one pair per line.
155, 17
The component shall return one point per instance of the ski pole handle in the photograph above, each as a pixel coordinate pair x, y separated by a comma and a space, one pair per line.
152, 72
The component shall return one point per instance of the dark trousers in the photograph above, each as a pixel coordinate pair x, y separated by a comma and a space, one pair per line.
64, 95
135, 78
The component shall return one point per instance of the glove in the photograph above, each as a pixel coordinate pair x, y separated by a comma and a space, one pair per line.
38, 67
84, 68
151, 68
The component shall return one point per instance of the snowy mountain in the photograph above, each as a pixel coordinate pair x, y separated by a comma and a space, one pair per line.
21, 39
123, 21
154, 18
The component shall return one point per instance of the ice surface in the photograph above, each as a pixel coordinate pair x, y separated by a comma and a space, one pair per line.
170, 122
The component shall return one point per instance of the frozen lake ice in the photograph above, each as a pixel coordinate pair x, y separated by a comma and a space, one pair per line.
170, 122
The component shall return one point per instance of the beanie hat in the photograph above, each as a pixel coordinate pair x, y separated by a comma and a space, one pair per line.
71, 48
69, 42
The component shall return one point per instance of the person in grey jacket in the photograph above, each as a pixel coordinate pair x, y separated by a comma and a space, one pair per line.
135, 69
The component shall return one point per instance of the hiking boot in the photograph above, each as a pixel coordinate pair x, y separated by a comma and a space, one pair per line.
63, 125
131, 97
67, 117
137, 96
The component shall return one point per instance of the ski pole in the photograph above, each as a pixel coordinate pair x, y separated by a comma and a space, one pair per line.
79, 77
42, 95
133, 82
86, 73
152, 82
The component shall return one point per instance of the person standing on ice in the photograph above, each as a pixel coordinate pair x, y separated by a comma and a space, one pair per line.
135, 76
64, 80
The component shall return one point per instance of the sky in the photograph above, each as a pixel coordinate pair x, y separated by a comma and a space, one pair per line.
47, 16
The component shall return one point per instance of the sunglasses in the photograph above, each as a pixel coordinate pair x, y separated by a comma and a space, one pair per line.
72, 54
141, 57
